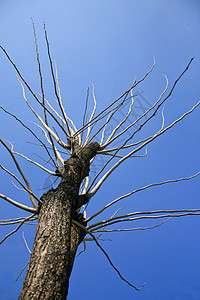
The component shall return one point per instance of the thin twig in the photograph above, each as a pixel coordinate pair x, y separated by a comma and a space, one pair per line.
132, 229
26, 243
54, 83
123, 95
97, 186
46, 148
22, 174
42, 90
105, 253
31, 91
139, 190
16, 229
125, 218
27, 190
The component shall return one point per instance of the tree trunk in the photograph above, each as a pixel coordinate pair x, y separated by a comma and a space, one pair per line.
57, 239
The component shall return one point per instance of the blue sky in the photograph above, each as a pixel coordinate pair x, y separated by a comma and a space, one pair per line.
108, 43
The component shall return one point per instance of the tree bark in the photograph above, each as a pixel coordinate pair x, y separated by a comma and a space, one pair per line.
57, 239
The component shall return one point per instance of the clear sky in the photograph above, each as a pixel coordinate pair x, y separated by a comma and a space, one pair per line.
107, 43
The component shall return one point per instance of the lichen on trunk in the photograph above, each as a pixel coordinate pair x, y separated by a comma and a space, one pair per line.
57, 239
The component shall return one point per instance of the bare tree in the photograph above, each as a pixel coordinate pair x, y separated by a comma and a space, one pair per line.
62, 222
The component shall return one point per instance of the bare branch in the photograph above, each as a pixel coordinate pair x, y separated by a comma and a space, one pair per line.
14, 221
139, 190
91, 117
125, 218
31, 91
22, 271
54, 82
105, 253
56, 152
40, 72
138, 119
31, 133
16, 229
42, 90
97, 186
120, 156
30, 160
61, 104
104, 129
111, 112
161, 103
22, 174
61, 143
122, 122
125, 94
26, 243
132, 229
27, 190
84, 248
132, 152
85, 111
18, 187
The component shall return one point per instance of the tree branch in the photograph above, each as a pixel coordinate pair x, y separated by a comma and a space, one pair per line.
108, 258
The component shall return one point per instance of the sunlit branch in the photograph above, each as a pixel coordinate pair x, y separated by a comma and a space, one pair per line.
104, 129
161, 103
138, 119
54, 82
9, 221
123, 95
31, 91
97, 186
19, 205
86, 185
29, 191
31, 133
63, 121
18, 187
31, 161
15, 221
119, 148
111, 222
111, 114
61, 143
107, 151
16, 229
37, 164
58, 155
147, 120
40, 72
27, 247
22, 174
107, 222
45, 161
85, 113
35, 144
131, 229
59, 98
91, 117
123, 121
103, 229
139, 190
105, 253
120, 156
42, 90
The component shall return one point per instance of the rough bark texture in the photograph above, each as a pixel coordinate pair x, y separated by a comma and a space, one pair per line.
57, 239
